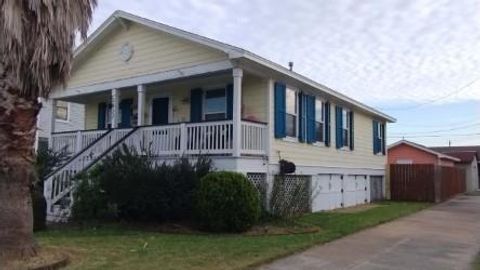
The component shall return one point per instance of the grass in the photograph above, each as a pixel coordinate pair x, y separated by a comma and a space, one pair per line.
120, 248
476, 263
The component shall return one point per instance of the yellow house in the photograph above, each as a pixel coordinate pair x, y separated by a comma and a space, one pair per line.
145, 83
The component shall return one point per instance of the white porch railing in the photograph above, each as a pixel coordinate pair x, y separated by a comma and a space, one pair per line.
75, 141
254, 138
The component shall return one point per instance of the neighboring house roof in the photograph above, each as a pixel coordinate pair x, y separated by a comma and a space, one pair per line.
465, 153
121, 17
425, 149
459, 149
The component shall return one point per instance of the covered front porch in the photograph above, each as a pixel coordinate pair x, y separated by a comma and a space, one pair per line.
222, 113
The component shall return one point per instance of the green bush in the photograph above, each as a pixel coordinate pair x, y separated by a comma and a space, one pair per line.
227, 202
133, 188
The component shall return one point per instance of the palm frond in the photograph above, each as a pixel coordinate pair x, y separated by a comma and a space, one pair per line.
37, 41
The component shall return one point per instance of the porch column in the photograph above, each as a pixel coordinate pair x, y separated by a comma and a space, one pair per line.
52, 122
237, 111
140, 105
115, 108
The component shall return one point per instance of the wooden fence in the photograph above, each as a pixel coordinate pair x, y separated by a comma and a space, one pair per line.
424, 182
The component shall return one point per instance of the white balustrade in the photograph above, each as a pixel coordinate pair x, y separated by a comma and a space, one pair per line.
74, 141
209, 138
254, 138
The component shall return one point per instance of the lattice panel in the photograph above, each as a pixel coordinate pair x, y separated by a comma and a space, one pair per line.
291, 194
260, 182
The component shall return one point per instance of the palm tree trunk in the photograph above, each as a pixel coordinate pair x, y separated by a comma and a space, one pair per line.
17, 134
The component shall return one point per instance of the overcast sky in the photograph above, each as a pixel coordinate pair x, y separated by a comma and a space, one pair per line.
417, 60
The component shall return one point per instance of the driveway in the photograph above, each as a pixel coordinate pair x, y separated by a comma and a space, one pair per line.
446, 236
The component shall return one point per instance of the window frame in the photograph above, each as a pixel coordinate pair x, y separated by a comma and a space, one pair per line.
67, 120
204, 103
380, 137
346, 127
322, 101
296, 114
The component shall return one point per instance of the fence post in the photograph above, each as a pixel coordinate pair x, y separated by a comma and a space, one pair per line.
437, 183
79, 143
183, 138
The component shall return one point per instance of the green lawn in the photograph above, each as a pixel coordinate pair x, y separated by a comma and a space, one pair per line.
115, 248
476, 263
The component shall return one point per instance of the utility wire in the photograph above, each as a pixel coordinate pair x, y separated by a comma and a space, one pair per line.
458, 90
436, 131
437, 136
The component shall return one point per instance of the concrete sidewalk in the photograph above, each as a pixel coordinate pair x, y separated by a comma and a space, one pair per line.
446, 236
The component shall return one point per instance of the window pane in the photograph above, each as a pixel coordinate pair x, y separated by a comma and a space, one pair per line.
318, 110
215, 116
215, 101
346, 119
291, 125
291, 101
61, 111
319, 131
345, 137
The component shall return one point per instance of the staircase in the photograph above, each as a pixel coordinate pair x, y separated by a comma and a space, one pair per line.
59, 184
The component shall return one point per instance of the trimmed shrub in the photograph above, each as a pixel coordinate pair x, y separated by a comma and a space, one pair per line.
227, 202
129, 186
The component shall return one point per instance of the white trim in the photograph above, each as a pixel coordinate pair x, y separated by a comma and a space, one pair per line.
270, 117
144, 79
170, 108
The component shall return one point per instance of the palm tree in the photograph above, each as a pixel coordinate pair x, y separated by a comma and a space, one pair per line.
37, 39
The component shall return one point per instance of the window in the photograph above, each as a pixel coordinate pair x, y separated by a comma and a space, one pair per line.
61, 110
291, 113
381, 131
346, 127
319, 121
215, 102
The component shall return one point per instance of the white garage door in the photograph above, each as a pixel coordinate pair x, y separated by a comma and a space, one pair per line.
327, 192
349, 191
362, 189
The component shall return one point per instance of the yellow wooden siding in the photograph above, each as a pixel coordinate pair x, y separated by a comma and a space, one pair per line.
255, 98
91, 115
153, 52
303, 154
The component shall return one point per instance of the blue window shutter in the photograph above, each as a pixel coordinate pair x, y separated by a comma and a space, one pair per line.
310, 102
280, 107
338, 127
230, 101
375, 137
327, 123
102, 111
352, 134
196, 105
126, 113
302, 110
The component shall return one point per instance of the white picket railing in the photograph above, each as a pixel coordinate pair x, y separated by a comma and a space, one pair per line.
254, 138
209, 138
75, 141
59, 184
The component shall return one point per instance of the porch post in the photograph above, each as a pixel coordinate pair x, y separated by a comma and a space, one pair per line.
237, 111
52, 122
140, 105
115, 108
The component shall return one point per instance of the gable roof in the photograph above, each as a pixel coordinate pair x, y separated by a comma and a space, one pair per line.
424, 149
465, 156
121, 18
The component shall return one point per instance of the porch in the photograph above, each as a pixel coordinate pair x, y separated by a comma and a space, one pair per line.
220, 113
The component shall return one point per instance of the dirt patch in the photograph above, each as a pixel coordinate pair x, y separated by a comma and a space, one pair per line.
279, 230
46, 259
357, 209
